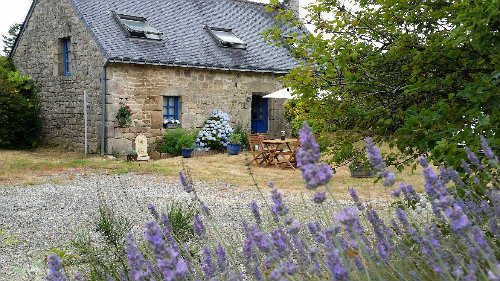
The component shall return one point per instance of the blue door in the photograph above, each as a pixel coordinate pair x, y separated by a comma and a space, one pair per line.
259, 115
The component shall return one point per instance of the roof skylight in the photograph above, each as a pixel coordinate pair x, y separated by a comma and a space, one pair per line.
227, 38
138, 27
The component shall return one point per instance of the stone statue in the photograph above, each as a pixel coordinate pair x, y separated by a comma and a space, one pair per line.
141, 146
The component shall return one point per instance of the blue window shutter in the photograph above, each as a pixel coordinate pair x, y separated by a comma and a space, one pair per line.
169, 103
67, 56
176, 100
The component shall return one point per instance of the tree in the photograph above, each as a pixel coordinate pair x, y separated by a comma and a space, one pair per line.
423, 76
9, 40
19, 109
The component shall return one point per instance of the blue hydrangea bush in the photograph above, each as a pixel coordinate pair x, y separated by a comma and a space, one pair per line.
215, 133
444, 234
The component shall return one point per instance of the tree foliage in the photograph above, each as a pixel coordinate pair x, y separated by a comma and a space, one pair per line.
420, 75
19, 109
9, 40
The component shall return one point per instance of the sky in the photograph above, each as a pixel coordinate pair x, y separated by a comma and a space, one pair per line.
10, 13
16, 11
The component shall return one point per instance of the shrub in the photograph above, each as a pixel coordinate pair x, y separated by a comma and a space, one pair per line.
238, 129
175, 140
102, 251
180, 220
19, 109
234, 139
215, 133
444, 238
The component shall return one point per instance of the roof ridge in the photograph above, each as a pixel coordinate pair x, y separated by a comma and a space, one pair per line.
250, 2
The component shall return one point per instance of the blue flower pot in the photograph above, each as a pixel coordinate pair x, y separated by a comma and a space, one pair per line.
233, 149
187, 152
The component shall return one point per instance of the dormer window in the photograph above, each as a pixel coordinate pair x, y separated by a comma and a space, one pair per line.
227, 38
138, 27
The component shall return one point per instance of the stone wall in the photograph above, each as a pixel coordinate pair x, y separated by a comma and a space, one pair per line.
200, 91
39, 55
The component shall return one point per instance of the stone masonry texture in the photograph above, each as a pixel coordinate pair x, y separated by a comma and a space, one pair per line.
39, 54
200, 91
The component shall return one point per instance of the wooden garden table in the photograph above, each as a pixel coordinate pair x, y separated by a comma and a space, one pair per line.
275, 149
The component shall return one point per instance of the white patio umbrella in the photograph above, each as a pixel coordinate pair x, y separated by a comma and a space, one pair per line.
284, 93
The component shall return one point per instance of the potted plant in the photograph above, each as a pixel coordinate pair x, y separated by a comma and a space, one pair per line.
361, 169
175, 141
132, 155
123, 116
234, 144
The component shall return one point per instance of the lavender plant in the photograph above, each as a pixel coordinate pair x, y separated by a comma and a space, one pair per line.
442, 237
216, 132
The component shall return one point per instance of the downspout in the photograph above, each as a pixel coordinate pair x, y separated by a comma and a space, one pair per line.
103, 105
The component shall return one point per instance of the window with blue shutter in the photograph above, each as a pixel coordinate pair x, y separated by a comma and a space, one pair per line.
67, 56
170, 111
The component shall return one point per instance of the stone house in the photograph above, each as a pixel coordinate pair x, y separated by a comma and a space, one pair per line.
175, 59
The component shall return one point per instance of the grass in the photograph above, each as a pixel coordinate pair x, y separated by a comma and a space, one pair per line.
44, 164
39, 165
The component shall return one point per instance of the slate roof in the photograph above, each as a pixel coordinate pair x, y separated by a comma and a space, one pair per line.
185, 42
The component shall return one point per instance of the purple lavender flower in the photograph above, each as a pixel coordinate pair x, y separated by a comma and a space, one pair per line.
78, 277
56, 273
208, 265
466, 167
188, 187
295, 228
255, 211
138, 268
334, 264
199, 228
259, 239
459, 221
270, 184
166, 222
319, 197
299, 246
414, 275
396, 192
494, 274
374, 155
434, 186
313, 256
495, 201
348, 216
423, 162
153, 211
222, 261
279, 207
400, 214
471, 271
167, 257
315, 230
316, 174
488, 152
355, 198
309, 151
478, 236
280, 244
205, 210
472, 157
389, 179
431, 246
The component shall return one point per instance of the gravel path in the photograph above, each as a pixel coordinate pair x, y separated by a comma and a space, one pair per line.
34, 219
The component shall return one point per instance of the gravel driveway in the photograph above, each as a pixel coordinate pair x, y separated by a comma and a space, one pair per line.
36, 218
